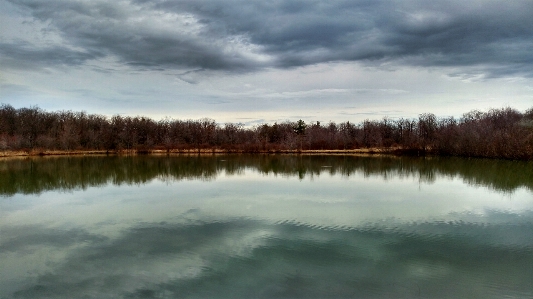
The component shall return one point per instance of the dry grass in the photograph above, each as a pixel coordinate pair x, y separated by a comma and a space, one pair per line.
36, 152
33, 153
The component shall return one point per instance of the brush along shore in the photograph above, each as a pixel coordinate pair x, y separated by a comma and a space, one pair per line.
37, 152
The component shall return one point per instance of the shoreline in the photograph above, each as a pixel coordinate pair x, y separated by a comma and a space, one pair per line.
42, 153
375, 151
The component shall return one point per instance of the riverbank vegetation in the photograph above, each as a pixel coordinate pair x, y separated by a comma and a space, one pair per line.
498, 133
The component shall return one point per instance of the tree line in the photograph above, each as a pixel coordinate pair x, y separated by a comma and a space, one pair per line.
498, 133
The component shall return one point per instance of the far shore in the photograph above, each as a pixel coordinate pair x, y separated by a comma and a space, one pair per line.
36, 152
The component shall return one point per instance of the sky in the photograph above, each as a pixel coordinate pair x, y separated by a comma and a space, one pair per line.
254, 62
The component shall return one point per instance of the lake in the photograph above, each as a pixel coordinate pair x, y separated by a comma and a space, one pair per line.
265, 226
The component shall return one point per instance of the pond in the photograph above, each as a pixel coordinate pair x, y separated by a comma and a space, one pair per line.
265, 226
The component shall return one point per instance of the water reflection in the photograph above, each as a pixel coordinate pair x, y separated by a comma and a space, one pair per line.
35, 175
251, 259
265, 227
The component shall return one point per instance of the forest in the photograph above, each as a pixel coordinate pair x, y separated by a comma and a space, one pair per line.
504, 133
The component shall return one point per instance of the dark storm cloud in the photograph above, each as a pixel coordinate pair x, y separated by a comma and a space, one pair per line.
133, 36
22, 54
494, 36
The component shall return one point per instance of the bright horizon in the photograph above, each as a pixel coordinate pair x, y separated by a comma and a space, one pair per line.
259, 62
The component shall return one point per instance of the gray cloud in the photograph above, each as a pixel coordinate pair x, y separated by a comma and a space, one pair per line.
237, 35
24, 55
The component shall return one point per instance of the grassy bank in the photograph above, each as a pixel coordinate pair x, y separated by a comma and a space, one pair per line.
36, 152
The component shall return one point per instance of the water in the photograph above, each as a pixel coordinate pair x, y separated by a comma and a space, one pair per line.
265, 227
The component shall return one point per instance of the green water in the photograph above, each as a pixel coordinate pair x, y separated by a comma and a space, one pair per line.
263, 226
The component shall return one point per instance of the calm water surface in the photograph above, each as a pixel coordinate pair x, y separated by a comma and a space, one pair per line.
265, 227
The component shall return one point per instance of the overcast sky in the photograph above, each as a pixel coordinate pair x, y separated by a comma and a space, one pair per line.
265, 61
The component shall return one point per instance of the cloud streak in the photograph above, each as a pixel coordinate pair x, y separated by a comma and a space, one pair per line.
244, 36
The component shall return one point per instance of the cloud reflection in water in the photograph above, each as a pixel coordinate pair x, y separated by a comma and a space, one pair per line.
251, 228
